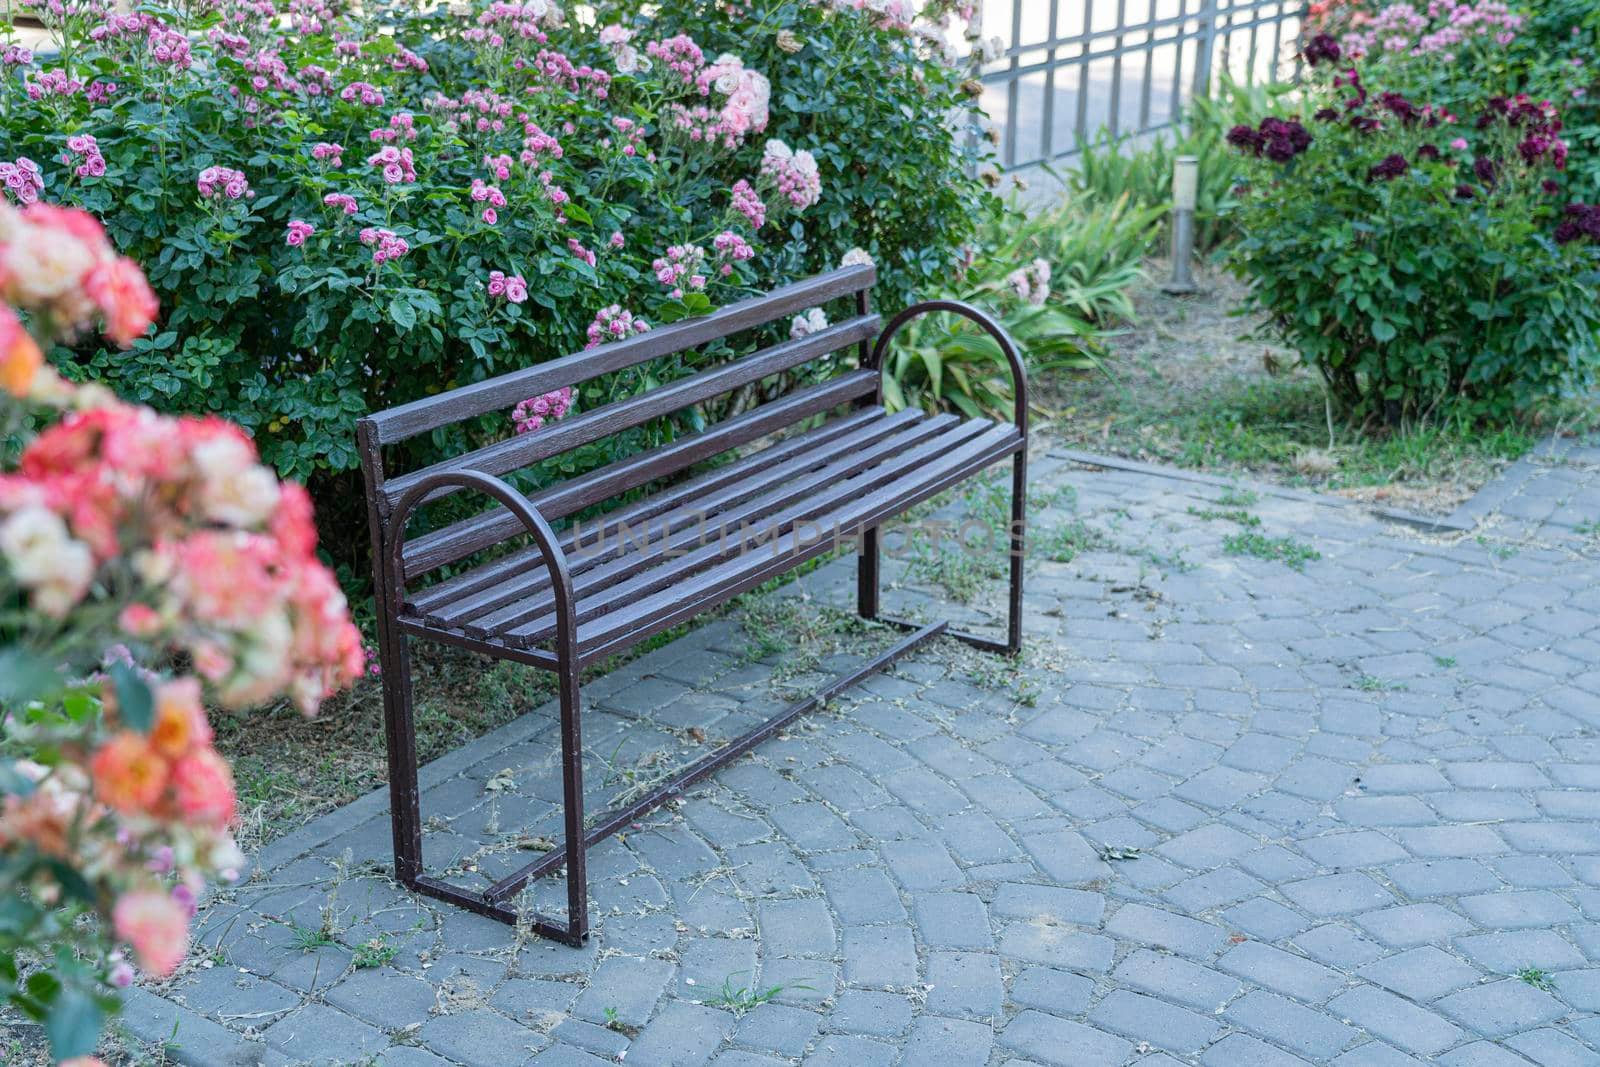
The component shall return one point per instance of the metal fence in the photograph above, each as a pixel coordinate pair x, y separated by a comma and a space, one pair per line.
1067, 69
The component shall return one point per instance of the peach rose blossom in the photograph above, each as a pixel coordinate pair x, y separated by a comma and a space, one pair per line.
203, 788
129, 775
126, 301
20, 358
155, 925
180, 723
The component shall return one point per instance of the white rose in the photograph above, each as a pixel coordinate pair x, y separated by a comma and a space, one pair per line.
246, 499
41, 266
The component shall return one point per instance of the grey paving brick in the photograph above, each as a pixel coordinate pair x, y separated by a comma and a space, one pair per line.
1501, 1008
1337, 894
1283, 972
1177, 979
1413, 924
1510, 951
1154, 1022
1306, 1030
778, 1028
1422, 974
1052, 991
1396, 1020
1242, 1050
319, 1034
1153, 926
681, 1033
1063, 1043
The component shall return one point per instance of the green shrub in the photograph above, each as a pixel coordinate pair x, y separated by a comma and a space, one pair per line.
1417, 259
1058, 278
552, 149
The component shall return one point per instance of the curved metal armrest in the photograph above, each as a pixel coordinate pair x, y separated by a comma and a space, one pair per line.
554, 558
985, 322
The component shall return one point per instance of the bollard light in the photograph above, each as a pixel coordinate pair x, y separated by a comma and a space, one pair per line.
1185, 197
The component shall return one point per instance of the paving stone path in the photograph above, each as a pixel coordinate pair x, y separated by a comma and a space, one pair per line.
1231, 814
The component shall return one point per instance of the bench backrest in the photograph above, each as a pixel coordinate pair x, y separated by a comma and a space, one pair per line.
517, 452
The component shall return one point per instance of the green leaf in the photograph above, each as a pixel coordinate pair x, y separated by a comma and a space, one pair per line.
135, 703
402, 312
73, 1024
25, 677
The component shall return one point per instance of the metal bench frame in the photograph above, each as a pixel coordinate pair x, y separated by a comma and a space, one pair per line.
392, 501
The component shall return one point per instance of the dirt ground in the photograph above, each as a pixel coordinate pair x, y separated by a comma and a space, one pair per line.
1188, 384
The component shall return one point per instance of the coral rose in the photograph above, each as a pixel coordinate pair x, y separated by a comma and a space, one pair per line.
155, 925
129, 774
20, 358
203, 788
180, 723
119, 289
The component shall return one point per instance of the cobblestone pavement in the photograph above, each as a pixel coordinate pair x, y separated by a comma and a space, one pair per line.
1230, 814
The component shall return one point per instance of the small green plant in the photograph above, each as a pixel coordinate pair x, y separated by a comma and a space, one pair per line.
1588, 528
1235, 497
1285, 550
742, 999
1062, 543
311, 938
1445, 661
1238, 515
1369, 683
1537, 977
374, 953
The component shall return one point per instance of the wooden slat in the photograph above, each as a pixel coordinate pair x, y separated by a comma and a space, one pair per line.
692, 594
523, 450
677, 536
495, 394
500, 570
656, 514
830, 493
460, 539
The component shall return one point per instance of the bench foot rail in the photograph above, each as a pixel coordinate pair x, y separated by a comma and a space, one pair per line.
491, 901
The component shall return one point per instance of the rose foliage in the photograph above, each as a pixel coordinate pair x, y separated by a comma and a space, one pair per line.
1425, 259
148, 564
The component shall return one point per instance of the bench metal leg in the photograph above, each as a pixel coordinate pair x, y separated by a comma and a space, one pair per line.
1018, 547
867, 560
400, 740
867, 573
577, 848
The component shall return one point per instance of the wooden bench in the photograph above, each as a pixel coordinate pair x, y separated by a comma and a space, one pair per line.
573, 597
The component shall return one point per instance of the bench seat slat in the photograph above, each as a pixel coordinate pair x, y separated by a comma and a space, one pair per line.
523, 450
680, 577
460, 539
615, 631
496, 394
794, 485
668, 511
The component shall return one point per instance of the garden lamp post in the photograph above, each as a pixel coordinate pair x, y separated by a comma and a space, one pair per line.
1185, 193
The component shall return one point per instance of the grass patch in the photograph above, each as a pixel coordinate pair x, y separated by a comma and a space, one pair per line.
374, 953
1238, 515
742, 999
1537, 977
1285, 550
1189, 388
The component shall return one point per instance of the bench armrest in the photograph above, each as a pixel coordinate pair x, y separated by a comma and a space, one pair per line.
985, 322
517, 504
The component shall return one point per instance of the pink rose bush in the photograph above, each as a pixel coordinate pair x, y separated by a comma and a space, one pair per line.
343, 206
132, 545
